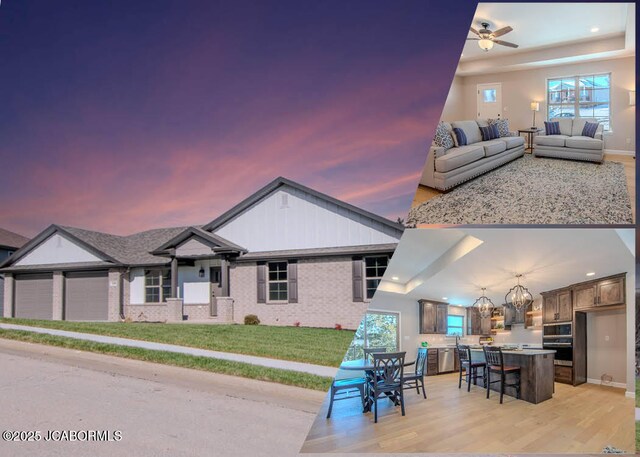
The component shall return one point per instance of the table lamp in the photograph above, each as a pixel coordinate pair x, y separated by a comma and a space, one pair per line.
535, 106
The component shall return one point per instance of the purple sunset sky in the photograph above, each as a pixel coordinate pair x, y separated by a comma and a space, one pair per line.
121, 116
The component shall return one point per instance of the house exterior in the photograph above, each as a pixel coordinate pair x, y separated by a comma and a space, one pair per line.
10, 242
288, 254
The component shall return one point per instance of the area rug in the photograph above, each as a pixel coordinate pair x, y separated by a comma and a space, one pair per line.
534, 190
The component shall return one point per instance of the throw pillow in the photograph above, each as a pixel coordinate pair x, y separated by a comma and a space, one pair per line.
489, 132
502, 125
552, 128
590, 129
443, 137
459, 138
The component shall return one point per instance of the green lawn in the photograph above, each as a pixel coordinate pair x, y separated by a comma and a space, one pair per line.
312, 345
244, 370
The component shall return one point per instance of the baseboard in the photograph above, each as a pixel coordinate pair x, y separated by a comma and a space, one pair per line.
620, 385
630, 394
620, 152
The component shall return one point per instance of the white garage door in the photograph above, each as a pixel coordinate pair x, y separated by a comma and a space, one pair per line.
34, 296
86, 296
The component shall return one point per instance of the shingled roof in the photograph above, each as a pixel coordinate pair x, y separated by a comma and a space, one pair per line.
11, 240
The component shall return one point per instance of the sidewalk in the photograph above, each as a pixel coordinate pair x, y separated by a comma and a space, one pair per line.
318, 370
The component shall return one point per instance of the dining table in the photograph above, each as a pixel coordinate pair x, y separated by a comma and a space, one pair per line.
369, 368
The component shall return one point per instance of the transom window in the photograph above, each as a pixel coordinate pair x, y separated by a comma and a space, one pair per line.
580, 96
278, 281
455, 325
374, 271
157, 284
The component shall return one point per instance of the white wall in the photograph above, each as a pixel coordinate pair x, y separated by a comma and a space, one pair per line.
520, 88
57, 249
291, 219
606, 345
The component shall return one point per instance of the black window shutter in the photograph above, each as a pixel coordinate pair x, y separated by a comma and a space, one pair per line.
292, 276
262, 283
357, 278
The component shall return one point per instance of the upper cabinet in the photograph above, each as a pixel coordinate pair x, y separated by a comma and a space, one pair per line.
476, 324
433, 317
558, 305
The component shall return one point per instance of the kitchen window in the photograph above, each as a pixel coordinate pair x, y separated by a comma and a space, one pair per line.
580, 96
455, 325
378, 329
278, 281
157, 285
374, 271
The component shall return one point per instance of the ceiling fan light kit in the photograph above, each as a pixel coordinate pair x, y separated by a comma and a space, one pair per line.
487, 39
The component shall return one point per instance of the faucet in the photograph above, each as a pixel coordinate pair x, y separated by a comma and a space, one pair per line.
457, 339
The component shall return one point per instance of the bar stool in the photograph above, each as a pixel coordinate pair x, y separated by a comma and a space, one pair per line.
470, 368
495, 364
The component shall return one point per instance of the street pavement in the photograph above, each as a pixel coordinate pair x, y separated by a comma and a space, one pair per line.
159, 410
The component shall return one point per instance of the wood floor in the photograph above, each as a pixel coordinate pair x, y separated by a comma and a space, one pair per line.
582, 419
424, 194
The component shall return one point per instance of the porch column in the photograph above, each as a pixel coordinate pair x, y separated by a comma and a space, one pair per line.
224, 276
174, 277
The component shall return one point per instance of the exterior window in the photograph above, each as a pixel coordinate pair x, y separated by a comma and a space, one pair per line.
455, 325
374, 271
377, 329
157, 284
581, 96
278, 281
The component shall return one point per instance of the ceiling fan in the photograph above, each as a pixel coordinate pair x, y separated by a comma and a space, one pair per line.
486, 38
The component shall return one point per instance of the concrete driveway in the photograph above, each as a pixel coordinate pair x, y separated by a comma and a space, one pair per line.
159, 410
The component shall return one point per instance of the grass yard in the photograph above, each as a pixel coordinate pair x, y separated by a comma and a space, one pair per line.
312, 345
244, 370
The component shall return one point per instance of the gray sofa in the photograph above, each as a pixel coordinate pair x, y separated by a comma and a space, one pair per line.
447, 168
571, 144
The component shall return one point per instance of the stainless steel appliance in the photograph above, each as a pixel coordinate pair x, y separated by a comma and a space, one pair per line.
563, 347
557, 330
446, 360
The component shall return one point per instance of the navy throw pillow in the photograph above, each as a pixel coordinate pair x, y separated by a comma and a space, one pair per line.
461, 138
489, 132
589, 129
552, 128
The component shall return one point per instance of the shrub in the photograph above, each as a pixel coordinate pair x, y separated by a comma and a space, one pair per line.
296, 324
338, 327
251, 319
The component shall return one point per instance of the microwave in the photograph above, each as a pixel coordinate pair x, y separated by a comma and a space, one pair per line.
557, 330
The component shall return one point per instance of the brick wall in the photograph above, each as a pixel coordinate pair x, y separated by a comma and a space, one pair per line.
324, 295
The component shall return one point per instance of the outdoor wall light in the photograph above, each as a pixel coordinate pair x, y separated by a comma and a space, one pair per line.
201, 272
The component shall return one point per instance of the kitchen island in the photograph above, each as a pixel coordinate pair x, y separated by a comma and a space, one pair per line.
536, 372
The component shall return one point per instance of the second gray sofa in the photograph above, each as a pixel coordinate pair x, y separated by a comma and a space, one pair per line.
571, 144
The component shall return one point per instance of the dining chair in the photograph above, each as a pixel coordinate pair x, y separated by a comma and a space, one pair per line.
368, 352
495, 364
388, 379
416, 379
470, 367
344, 389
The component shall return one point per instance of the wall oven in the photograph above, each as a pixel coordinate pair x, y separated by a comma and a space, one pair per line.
557, 330
563, 348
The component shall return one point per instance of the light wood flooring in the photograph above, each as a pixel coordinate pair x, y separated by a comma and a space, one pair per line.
424, 194
582, 419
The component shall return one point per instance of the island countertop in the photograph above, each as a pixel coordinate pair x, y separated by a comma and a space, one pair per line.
527, 351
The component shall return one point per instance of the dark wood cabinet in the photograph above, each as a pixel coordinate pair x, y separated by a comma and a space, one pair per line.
456, 360
476, 324
433, 317
557, 306
584, 296
610, 292
513, 316
432, 362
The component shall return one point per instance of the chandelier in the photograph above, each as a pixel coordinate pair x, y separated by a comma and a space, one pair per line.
484, 304
519, 296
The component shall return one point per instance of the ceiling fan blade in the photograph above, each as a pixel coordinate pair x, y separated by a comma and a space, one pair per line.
505, 43
473, 39
474, 31
502, 31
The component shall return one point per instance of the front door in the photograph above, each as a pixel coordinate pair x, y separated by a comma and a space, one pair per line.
490, 101
215, 275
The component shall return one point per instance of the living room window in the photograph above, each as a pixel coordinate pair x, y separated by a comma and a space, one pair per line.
580, 96
157, 285
278, 281
374, 271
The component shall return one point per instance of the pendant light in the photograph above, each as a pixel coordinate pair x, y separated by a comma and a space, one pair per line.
519, 296
484, 305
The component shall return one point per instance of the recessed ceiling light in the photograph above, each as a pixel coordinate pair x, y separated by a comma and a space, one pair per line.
395, 278
591, 273
594, 29
444, 298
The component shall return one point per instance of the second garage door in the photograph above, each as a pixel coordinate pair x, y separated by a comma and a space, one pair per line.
34, 296
86, 296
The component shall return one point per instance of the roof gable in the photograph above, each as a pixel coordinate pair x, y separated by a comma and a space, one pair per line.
57, 248
286, 216
11, 240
